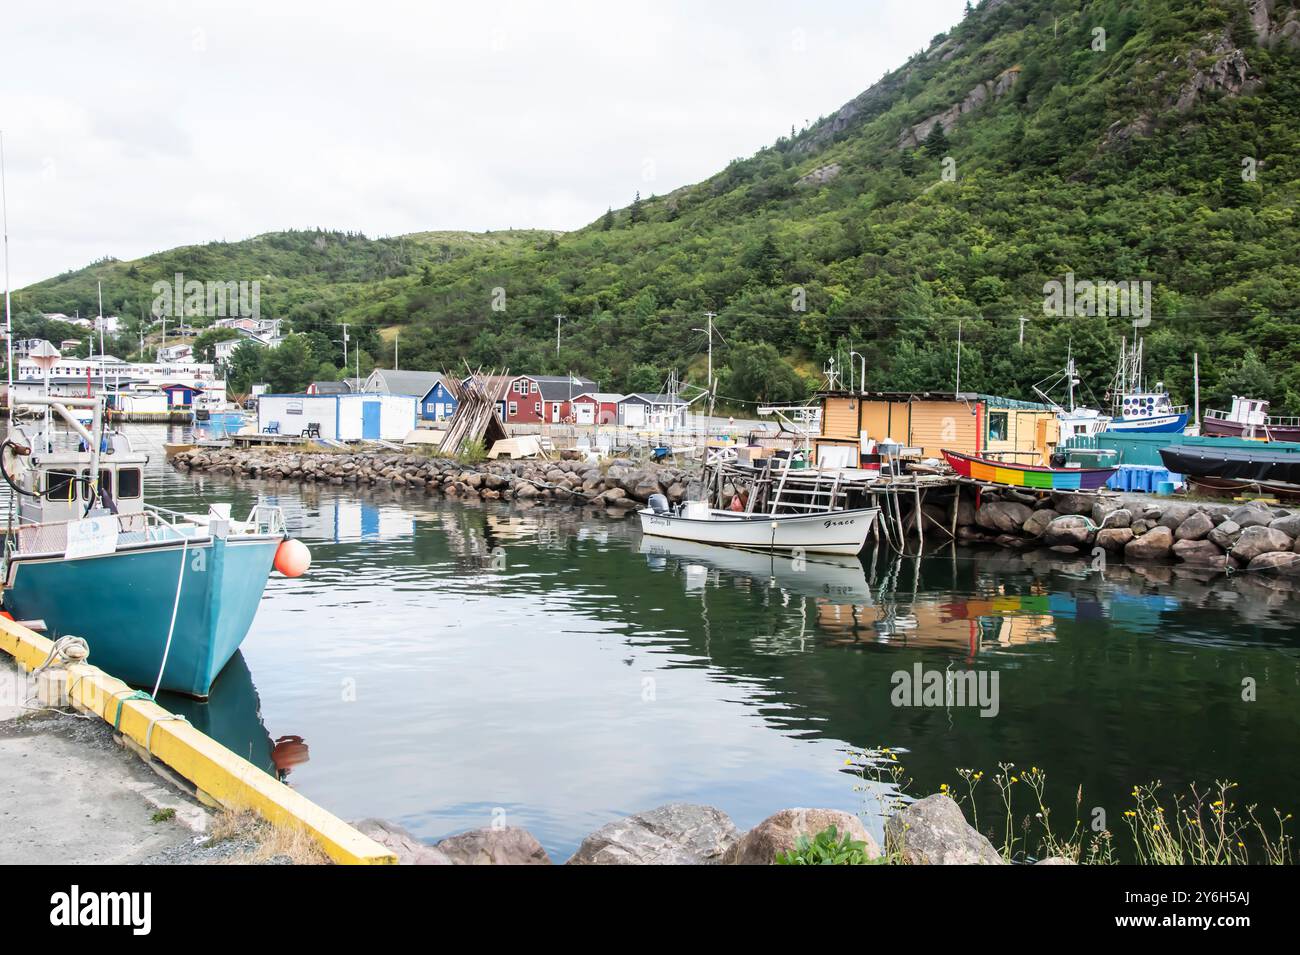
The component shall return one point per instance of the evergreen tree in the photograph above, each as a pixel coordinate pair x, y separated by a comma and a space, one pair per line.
607, 222
637, 214
936, 143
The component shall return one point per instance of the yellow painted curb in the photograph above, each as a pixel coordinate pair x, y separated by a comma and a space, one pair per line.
232, 781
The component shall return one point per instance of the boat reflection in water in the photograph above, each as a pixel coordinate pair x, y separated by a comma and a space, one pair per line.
232, 716
841, 579
875, 603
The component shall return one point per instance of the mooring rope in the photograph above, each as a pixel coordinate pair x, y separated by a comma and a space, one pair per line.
180, 579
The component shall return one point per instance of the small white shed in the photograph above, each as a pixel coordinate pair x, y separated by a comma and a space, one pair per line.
350, 417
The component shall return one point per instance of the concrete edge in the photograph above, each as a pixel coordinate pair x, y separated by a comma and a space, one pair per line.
228, 780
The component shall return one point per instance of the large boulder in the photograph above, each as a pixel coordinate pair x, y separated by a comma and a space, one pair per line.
508, 845
1251, 515
408, 849
1194, 528
1199, 552
1071, 503
1289, 525
1038, 522
1152, 545
1283, 563
1069, 531
1120, 517
1006, 517
1258, 539
1174, 515
933, 831
1114, 538
1225, 535
676, 834
778, 833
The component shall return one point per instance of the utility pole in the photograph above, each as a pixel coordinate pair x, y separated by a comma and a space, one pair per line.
101, 335
558, 319
958, 357
345, 348
1022, 330
396, 335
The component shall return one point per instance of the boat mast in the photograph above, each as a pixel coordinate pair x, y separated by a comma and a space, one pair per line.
9, 324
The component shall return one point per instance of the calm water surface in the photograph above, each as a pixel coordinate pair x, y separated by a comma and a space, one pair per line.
443, 663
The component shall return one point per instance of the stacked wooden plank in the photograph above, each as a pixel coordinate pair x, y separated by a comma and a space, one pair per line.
475, 417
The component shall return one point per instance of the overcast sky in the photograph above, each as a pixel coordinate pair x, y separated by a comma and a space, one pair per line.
132, 127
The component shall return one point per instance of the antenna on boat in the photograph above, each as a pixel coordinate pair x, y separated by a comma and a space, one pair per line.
9, 323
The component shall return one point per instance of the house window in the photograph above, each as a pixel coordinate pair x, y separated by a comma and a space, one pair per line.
537, 408
997, 426
514, 409
534, 384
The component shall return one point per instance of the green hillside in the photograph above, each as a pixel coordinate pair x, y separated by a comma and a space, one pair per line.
1037, 138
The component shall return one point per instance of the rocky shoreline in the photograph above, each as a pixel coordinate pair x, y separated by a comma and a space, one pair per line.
1250, 537
618, 483
930, 831
1224, 537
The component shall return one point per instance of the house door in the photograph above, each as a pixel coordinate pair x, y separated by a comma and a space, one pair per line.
370, 420
555, 412
586, 413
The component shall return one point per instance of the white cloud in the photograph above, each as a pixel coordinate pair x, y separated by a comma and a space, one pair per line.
138, 126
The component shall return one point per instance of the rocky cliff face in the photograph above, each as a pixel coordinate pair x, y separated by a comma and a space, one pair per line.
980, 94
1274, 28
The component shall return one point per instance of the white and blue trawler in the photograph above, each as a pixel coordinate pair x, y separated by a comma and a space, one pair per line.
163, 599
1137, 409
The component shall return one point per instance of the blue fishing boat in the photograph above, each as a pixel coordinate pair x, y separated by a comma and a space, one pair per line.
1137, 409
163, 599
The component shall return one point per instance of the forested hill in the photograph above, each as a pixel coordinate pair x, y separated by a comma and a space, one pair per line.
1118, 141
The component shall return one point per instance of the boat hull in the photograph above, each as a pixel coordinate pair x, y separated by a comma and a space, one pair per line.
1030, 478
1157, 424
1222, 428
121, 604
835, 532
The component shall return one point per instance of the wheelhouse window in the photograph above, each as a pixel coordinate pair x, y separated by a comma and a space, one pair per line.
58, 485
128, 483
105, 482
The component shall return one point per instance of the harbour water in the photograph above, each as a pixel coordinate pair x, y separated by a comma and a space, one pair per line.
447, 665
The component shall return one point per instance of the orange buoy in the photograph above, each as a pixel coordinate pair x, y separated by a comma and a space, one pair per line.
292, 558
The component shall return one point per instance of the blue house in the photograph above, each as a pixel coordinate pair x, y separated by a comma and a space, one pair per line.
437, 403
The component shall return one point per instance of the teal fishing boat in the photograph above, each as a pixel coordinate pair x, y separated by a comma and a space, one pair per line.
163, 599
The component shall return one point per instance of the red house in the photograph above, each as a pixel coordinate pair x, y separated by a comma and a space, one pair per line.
596, 407
533, 399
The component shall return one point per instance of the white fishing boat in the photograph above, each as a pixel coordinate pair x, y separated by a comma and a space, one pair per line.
1075, 420
826, 532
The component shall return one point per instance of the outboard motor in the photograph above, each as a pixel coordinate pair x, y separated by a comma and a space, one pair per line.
658, 503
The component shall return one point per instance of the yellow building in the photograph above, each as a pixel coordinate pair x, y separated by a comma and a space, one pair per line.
1022, 431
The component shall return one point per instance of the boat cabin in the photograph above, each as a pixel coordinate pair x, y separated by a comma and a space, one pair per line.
60, 486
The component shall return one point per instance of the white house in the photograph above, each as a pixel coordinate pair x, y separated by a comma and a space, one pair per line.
342, 417
652, 412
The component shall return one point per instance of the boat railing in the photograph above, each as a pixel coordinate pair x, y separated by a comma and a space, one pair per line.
266, 519
139, 527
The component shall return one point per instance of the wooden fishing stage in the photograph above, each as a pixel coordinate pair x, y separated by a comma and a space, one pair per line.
910, 501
